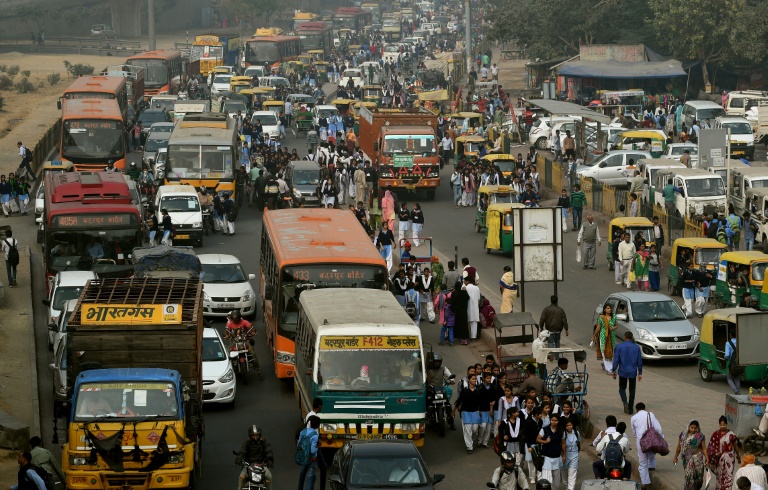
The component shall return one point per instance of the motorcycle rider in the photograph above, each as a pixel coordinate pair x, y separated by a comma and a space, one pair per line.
437, 377
235, 322
133, 172
509, 476
111, 167
255, 450
543, 484
146, 179
283, 189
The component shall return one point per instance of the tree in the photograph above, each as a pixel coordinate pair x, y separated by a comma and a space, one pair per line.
712, 31
32, 12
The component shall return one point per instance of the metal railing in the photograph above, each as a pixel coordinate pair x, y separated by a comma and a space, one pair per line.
87, 45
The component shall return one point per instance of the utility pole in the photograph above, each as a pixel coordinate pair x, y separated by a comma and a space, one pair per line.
151, 24
468, 34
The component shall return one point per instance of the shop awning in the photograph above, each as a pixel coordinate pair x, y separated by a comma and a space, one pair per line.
560, 108
621, 69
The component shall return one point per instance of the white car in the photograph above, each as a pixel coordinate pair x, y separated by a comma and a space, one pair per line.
254, 70
219, 384
57, 332
220, 83
542, 129
676, 150
611, 167
323, 111
226, 286
352, 74
67, 285
40, 200
269, 121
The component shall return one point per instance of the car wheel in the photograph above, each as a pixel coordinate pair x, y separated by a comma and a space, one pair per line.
541, 143
705, 373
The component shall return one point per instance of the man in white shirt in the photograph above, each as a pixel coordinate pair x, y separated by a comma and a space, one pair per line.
473, 308
495, 71
640, 423
447, 146
754, 473
405, 472
601, 443
317, 407
626, 254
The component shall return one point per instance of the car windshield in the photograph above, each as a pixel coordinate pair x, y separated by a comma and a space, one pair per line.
423, 144
168, 104
633, 231
707, 187
180, 204
656, 311
352, 73
758, 271
345, 368
222, 79
162, 128
213, 350
377, 472
505, 165
92, 139
679, 150
127, 401
738, 127
265, 119
223, 273
714, 113
154, 144
64, 294
306, 177
708, 256
149, 117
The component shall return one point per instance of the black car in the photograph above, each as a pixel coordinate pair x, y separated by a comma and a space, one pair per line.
380, 464
150, 116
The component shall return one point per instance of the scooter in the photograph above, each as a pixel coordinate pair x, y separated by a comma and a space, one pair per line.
255, 474
208, 223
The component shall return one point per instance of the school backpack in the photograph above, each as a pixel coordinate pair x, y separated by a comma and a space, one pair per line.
304, 448
613, 454
734, 227
721, 235
410, 305
662, 120
13, 252
27, 153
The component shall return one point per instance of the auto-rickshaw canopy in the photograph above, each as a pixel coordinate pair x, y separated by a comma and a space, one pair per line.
497, 192
756, 261
724, 315
714, 248
498, 216
634, 224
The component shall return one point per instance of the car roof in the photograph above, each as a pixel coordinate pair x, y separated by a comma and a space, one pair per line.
383, 448
218, 259
74, 278
326, 107
211, 333
643, 296
703, 104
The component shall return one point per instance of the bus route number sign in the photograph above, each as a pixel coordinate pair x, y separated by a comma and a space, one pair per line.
86, 221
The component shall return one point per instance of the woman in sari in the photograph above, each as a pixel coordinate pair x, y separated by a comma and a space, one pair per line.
723, 451
508, 290
388, 210
691, 444
641, 268
605, 337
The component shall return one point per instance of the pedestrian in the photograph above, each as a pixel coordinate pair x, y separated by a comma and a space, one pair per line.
438, 272
658, 235
626, 255
29, 476
605, 337
554, 320
153, 226
26, 158
42, 458
167, 228
654, 269
723, 451
488, 400
569, 145
459, 305
448, 322
564, 202
558, 147
473, 307
590, 235
750, 230
504, 413
359, 180
456, 186
704, 277
539, 351
470, 271
22, 193
628, 364
468, 405
733, 376
751, 471
417, 223
531, 430
641, 267
11, 248
668, 193
426, 285
640, 423
308, 473
404, 223
229, 209
634, 208
452, 276
688, 281
744, 483
384, 243
5, 196
572, 440
551, 440
508, 290
691, 445
388, 210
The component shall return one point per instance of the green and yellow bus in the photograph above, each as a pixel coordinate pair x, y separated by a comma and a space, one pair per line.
361, 354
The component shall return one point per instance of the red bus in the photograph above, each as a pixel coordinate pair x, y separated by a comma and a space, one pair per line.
354, 18
91, 223
316, 35
271, 50
92, 134
163, 70
99, 87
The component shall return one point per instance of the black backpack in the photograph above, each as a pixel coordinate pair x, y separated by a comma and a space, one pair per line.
13, 252
27, 153
613, 454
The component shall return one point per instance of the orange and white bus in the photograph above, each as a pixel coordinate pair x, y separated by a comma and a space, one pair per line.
163, 69
310, 249
92, 134
270, 50
99, 87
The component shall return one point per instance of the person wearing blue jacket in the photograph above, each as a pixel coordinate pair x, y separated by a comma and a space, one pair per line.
628, 363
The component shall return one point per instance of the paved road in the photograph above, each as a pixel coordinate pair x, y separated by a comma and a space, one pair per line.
271, 403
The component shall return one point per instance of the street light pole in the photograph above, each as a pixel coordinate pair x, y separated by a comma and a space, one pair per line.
468, 34
151, 24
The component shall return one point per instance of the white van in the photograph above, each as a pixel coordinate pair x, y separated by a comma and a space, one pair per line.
702, 191
183, 207
742, 137
743, 180
739, 101
701, 110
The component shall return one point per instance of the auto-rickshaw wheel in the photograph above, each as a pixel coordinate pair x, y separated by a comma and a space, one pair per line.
487, 250
719, 302
671, 288
477, 227
705, 372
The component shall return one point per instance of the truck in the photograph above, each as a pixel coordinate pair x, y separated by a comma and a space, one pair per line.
402, 144
134, 383
758, 206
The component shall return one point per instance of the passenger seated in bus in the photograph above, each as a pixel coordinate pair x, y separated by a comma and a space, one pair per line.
94, 250
115, 251
63, 249
331, 374
363, 380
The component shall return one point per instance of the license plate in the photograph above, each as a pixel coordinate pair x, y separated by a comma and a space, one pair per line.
738, 152
410, 186
677, 346
181, 237
369, 436
225, 305
311, 198
206, 392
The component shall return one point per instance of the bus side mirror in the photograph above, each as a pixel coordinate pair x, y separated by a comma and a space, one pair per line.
58, 104
375, 146
268, 291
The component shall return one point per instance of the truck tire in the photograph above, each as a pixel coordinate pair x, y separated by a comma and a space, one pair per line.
430, 195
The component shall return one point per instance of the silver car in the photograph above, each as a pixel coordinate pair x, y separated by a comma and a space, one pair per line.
658, 324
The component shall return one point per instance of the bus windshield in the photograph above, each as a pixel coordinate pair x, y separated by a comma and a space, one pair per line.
312, 41
200, 162
261, 52
108, 249
126, 400
155, 71
367, 369
422, 144
91, 138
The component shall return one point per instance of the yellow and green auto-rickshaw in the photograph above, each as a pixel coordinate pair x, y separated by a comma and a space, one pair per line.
305, 59
373, 93
762, 299
322, 71
317, 54
715, 333
636, 139
505, 162
358, 105
739, 274
704, 252
344, 106
488, 195
239, 83
468, 146
276, 106
473, 121
499, 234
633, 226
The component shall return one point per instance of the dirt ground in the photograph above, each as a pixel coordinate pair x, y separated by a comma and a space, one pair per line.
8, 468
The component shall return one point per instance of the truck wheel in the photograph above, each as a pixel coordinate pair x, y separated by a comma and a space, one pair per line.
705, 373
430, 195
541, 143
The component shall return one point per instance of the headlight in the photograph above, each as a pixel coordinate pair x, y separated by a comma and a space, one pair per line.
198, 224
205, 296
696, 333
247, 295
79, 461
409, 427
227, 377
644, 334
257, 477
438, 395
38, 210
330, 427
176, 458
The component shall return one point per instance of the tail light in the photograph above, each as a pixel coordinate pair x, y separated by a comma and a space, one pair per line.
615, 474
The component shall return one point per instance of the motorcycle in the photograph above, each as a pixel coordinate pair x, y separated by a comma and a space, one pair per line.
439, 406
287, 201
255, 474
239, 354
